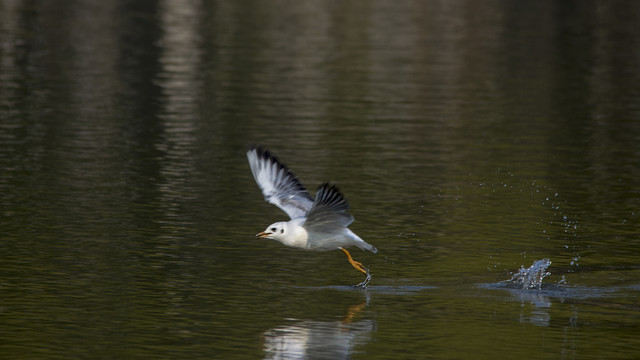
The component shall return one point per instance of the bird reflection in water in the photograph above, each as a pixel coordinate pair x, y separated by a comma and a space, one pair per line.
307, 339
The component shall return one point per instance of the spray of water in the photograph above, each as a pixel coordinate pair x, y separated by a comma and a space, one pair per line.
531, 277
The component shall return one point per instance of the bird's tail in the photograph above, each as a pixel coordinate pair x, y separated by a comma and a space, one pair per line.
366, 246
361, 243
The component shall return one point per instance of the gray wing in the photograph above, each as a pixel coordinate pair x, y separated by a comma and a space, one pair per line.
278, 184
329, 213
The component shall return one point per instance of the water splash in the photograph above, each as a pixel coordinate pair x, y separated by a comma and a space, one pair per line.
531, 278
564, 226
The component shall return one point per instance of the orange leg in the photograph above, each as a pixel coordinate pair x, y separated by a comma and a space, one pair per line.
358, 267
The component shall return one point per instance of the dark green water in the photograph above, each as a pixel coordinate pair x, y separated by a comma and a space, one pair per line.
471, 138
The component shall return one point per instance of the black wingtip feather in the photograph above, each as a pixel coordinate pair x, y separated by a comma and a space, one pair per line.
258, 149
330, 195
265, 154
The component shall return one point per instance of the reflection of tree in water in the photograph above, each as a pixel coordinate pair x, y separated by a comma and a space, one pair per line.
319, 339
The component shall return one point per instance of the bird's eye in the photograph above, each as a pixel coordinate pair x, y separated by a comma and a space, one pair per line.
281, 231
274, 229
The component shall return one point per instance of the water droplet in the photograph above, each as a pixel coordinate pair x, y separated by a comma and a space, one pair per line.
563, 281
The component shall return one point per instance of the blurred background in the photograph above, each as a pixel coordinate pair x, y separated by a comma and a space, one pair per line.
470, 137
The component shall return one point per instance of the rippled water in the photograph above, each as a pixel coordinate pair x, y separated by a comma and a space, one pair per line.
471, 139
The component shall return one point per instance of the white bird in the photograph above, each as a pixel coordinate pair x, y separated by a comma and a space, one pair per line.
319, 224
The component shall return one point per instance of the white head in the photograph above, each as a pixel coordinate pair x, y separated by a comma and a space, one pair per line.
276, 231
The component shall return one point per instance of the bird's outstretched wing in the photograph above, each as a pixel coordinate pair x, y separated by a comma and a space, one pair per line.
278, 184
330, 211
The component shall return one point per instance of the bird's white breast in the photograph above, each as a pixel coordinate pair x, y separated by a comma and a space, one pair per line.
297, 237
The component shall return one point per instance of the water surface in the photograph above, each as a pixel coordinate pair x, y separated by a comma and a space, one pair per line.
470, 138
